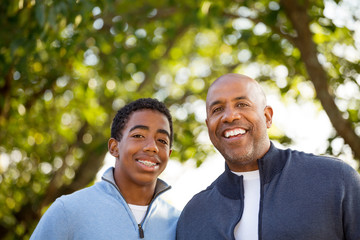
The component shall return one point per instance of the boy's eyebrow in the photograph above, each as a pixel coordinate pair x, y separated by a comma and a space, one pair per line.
139, 126
147, 128
164, 132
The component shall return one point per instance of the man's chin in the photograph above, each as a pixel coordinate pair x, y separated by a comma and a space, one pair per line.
238, 157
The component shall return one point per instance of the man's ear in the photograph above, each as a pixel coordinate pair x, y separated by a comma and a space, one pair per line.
268, 112
113, 147
170, 151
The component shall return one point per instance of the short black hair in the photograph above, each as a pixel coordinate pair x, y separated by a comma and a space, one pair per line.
122, 116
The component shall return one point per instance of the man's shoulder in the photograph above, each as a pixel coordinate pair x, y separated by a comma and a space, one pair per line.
322, 160
302, 161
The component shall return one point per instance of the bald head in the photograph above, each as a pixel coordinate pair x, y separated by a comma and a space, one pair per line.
234, 79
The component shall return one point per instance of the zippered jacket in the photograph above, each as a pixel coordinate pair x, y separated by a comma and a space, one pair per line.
303, 197
100, 212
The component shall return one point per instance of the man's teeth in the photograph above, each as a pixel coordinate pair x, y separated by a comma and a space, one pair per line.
234, 132
147, 163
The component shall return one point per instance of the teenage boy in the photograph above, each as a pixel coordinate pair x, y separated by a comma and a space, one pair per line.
125, 204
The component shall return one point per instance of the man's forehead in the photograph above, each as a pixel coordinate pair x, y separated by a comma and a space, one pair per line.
227, 85
240, 86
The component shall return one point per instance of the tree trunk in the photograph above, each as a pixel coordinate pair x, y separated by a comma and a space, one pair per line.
297, 14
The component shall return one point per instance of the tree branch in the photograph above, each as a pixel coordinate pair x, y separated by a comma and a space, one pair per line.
5, 91
274, 28
155, 65
84, 174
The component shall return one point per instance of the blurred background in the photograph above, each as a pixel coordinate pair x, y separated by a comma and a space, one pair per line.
67, 66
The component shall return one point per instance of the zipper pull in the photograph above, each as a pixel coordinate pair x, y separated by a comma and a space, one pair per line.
141, 231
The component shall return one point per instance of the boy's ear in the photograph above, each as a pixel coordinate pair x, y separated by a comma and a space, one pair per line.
113, 147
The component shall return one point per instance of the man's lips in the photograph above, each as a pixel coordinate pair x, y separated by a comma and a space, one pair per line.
234, 132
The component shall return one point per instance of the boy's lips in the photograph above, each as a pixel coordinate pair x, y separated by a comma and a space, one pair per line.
147, 163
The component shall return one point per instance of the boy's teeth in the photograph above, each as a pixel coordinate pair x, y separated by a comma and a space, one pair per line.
234, 132
147, 163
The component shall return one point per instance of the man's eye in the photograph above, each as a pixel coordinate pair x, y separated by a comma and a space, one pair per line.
242, 105
217, 109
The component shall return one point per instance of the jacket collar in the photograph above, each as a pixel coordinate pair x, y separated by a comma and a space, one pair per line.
272, 163
160, 187
230, 185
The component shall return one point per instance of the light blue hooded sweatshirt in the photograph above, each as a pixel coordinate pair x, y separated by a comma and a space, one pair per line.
100, 212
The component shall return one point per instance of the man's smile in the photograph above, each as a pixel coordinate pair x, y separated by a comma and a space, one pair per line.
234, 132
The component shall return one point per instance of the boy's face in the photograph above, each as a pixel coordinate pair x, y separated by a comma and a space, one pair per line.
144, 149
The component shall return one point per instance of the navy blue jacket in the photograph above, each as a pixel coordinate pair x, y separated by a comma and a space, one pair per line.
303, 197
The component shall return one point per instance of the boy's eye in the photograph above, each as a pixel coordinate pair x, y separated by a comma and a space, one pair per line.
137, 136
163, 141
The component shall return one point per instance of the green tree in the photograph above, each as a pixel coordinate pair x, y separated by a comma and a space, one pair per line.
67, 66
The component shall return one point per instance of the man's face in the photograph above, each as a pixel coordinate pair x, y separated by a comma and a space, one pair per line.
237, 121
144, 149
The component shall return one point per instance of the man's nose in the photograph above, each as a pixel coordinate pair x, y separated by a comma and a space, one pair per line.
230, 115
150, 146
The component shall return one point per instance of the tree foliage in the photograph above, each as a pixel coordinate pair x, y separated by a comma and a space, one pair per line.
67, 66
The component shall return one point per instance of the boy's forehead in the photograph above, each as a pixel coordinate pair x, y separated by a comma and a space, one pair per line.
148, 117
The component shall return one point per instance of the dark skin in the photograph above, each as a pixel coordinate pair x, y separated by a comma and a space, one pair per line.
237, 121
141, 155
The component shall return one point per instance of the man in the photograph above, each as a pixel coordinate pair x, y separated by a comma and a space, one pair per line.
126, 203
267, 193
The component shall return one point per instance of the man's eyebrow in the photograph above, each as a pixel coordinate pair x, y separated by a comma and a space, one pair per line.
218, 101
240, 98
163, 131
214, 103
